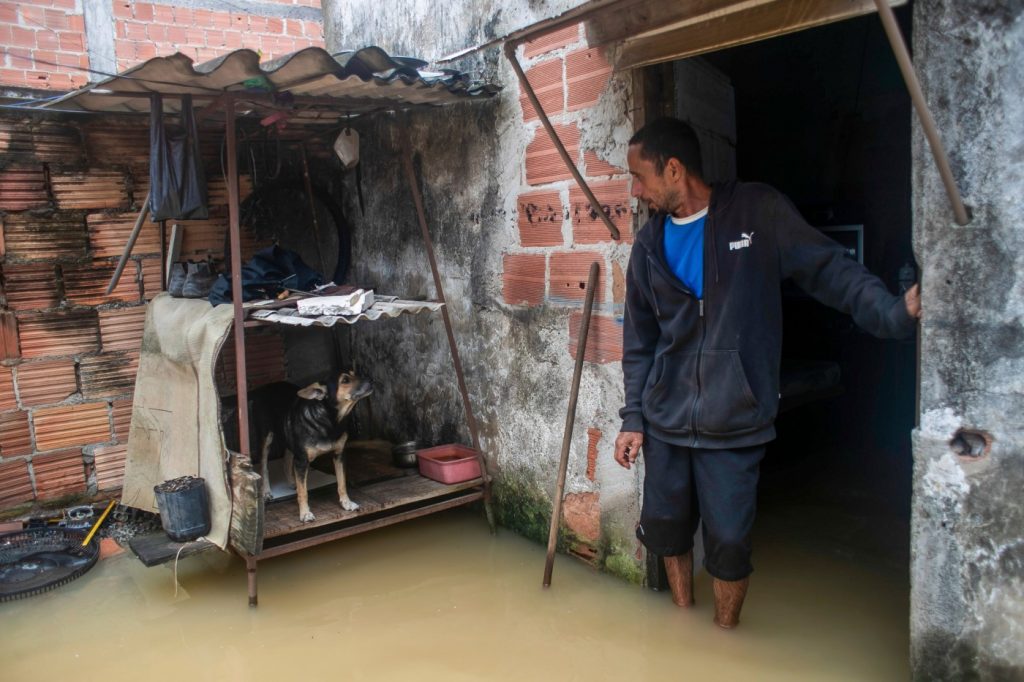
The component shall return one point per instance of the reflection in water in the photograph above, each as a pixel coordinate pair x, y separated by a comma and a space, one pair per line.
441, 599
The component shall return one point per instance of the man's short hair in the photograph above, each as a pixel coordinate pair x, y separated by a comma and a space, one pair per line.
667, 138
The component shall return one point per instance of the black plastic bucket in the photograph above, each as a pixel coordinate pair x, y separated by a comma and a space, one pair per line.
184, 508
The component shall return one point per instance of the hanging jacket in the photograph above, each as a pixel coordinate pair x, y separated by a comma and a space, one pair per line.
705, 373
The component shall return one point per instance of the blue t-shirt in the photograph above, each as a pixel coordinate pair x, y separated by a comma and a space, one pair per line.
684, 249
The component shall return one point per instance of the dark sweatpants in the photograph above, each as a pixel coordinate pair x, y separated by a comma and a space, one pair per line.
683, 486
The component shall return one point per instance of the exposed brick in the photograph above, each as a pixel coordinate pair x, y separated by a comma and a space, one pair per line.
46, 382
73, 425
587, 226
596, 167
87, 284
552, 41
108, 234
593, 437
618, 284
549, 86
29, 238
109, 374
7, 401
8, 336
604, 341
523, 279
23, 188
93, 189
541, 215
109, 465
151, 277
32, 286
121, 415
58, 333
586, 75
59, 473
14, 434
543, 163
121, 328
569, 273
582, 514
15, 483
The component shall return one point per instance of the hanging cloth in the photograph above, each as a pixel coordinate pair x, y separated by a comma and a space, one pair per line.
176, 179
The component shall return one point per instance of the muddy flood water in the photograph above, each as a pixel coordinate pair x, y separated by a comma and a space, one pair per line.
442, 599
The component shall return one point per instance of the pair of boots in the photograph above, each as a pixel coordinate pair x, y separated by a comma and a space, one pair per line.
191, 280
729, 594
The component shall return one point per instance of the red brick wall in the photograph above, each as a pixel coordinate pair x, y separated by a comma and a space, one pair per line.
145, 30
46, 41
559, 233
69, 353
38, 34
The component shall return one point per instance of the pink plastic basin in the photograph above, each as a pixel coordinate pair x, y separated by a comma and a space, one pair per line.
449, 463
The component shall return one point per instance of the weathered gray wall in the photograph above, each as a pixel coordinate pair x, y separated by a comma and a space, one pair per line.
518, 368
967, 613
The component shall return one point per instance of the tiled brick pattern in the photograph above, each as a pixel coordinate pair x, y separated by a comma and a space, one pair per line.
604, 341
46, 382
543, 162
523, 279
586, 75
569, 274
109, 466
593, 437
45, 40
59, 473
45, 44
62, 427
587, 226
145, 30
264, 362
549, 87
541, 215
15, 483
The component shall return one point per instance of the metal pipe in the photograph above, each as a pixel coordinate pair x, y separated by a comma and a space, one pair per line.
421, 215
899, 48
241, 378
510, 52
570, 419
130, 244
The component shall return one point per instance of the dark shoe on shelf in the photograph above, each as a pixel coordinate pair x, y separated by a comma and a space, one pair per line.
177, 279
199, 280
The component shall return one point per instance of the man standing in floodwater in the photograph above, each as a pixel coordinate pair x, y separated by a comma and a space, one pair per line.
702, 344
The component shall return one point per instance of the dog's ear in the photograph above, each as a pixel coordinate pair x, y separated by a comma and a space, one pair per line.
313, 392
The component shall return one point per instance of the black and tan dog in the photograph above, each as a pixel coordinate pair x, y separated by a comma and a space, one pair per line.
305, 423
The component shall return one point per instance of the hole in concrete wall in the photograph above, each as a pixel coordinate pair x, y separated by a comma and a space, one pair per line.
971, 443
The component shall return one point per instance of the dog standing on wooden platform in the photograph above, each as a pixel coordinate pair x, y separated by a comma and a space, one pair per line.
303, 424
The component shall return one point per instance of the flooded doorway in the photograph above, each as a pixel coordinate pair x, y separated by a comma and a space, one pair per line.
823, 116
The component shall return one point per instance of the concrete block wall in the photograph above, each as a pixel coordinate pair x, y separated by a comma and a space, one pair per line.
63, 44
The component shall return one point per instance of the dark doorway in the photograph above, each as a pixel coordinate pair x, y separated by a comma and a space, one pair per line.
823, 115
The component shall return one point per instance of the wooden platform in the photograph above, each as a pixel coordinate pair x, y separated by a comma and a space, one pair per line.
156, 548
282, 518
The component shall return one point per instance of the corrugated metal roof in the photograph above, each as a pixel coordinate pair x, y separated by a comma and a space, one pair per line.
359, 81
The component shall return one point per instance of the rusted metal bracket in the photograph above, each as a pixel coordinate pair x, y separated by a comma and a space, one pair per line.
510, 52
414, 189
899, 48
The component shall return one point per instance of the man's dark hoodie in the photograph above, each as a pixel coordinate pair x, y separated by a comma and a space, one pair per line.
706, 373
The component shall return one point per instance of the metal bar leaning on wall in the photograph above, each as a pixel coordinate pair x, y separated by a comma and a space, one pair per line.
899, 48
428, 244
510, 53
570, 419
